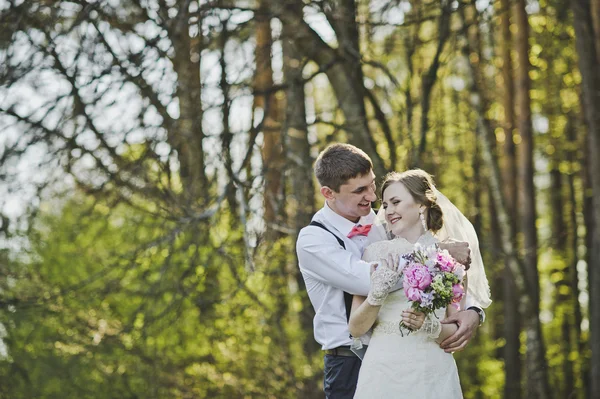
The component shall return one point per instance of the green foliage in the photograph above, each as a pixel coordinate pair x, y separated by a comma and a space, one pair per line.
116, 304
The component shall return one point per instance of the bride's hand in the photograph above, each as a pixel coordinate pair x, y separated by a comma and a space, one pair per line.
383, 279
391, 263
413, 319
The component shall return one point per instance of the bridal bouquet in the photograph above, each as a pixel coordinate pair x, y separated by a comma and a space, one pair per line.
432, 279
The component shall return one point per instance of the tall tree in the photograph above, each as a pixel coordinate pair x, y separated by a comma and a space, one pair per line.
512, 325
519, 270
270, 123
187, 137
573, 155
301, 202
538, 384
595, 13
430, 76
589, 65
342, 65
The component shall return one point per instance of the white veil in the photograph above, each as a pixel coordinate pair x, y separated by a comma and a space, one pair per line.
457, 227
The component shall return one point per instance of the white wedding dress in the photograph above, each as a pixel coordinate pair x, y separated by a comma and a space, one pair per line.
398, 364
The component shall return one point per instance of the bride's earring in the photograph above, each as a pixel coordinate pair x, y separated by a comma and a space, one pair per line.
423, 222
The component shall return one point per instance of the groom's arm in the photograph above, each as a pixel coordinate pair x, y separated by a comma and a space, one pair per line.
321, 257
467, 320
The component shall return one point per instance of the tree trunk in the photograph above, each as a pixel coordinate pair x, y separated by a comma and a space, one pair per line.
187, 135
478, 192
588, 219
342, 67
341, 14
564, 304
589, 66
299, 163
266, 100
595, 12
226, 135
565, 238
430, 77
409, 50
296, 136
559, 228
512, 323
572, 156
538, 384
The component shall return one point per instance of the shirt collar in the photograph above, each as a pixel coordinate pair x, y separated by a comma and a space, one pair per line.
342, 224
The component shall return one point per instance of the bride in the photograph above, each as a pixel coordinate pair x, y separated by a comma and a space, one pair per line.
400, 363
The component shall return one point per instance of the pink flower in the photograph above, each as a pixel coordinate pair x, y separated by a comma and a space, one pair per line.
416, 279
413, 294
445, 261
458, 292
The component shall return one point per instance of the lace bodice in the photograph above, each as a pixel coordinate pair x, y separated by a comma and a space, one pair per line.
397, 246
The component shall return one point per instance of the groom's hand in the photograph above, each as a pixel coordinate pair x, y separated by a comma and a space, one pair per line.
459, 250
467, 321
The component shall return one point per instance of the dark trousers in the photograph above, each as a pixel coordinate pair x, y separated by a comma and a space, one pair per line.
341, 376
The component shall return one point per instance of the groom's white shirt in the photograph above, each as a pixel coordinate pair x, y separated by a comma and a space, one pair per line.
329, 270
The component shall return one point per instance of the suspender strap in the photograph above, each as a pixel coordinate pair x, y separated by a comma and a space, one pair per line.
347, 296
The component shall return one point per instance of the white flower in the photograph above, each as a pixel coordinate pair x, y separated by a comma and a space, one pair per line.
431, 252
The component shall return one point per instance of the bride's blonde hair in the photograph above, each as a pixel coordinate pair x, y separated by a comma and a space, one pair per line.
420, 185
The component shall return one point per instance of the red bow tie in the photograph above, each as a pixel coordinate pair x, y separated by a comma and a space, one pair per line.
359, 230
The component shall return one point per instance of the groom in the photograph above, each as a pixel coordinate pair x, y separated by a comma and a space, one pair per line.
329, 254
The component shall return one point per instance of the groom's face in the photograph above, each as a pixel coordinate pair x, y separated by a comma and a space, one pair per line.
354, 199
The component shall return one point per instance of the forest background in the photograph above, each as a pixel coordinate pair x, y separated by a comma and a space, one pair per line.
156, 166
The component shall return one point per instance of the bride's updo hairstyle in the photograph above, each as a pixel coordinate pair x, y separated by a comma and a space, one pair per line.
420, 185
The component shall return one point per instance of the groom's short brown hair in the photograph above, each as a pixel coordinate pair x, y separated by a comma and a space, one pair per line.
339, 163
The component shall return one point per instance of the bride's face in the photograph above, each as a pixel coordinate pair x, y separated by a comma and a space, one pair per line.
401, 211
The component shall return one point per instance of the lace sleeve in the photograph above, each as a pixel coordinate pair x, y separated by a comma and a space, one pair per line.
432, 327
382, 281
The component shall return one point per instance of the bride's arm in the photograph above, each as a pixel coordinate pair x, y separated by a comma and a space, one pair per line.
447, 329
362, 316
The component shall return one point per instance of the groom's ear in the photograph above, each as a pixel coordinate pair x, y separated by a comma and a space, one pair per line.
328, 193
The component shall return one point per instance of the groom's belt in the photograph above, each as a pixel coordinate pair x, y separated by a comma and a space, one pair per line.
340, 351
